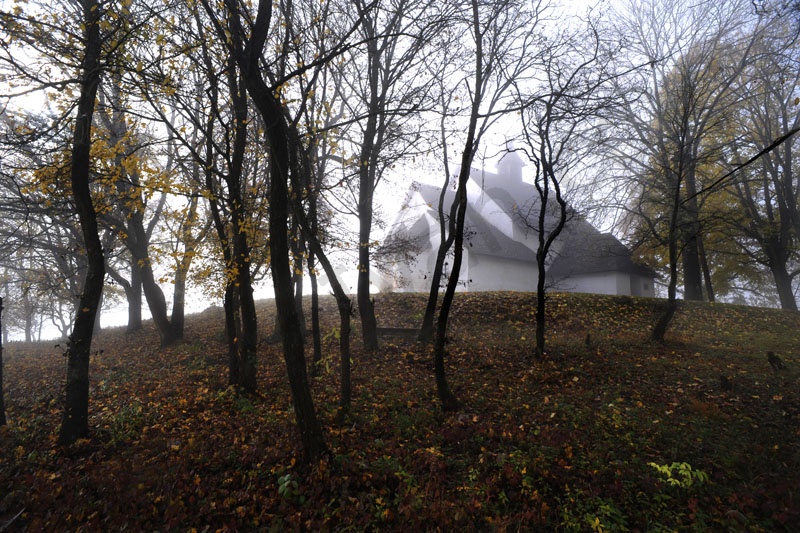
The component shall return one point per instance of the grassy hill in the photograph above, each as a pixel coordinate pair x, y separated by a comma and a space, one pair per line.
617, 434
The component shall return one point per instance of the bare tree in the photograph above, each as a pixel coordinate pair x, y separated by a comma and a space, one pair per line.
127, 198
682, 62
504, 50
558, 122
767, 193
247, 47
3, 420
387, 98
75, 423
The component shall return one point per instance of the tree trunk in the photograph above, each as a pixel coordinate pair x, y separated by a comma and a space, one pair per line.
183, 265
366, 187
248, 52
366, 307
178, 320
3, 420
230, 304
248, 341
97, 317
659, 331
293, 350
446, 397
75, 423
783, 283
426, 330
690, 229
301, 169
692, 271
316, 335
540, 307
706, 270
156, 301
134, 296
298, 254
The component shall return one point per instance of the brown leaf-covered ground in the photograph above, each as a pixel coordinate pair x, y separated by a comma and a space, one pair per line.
610, 433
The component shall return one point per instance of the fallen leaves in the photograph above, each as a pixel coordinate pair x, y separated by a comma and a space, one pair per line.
534, 446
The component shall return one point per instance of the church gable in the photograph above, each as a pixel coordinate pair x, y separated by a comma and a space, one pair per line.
500, 245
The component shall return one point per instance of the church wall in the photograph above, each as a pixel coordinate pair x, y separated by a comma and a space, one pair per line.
487, 273
600, 283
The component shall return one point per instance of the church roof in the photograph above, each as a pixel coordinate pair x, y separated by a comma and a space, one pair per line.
492, 200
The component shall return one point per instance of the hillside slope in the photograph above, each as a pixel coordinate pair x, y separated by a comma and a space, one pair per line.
616, 434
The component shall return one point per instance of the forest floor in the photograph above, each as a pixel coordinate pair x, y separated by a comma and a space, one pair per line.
614, 434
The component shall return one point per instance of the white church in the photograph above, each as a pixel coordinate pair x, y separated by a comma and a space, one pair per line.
500, 247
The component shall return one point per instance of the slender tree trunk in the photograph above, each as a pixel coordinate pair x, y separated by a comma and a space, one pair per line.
541, 299
248, 52
366, 189
426, 331
366, 307
156, 301
316, 335
97, 317
248, 341
3, 420
692, 269
293, 350
298, 252
27, 306
706, 270
301, 168
230, 304
182, 269
178, 320
659, 331
446, 397
135, 299
75, 423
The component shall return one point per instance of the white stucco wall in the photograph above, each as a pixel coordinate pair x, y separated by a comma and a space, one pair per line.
599, 283
486, 273
642, 286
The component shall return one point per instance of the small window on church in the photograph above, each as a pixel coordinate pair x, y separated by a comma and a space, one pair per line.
646, 286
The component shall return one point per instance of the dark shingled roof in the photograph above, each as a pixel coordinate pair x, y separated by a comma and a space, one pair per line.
590, 251
586, 250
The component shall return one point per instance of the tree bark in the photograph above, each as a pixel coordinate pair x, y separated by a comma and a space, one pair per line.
316, 335
427, 331
182, 267
248, 341
156, 301
692, 269
75, 423
659, 331
232, 327
701, 248
783, 283
298, 251
178, 319
134, 296
264, 98
3, 420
